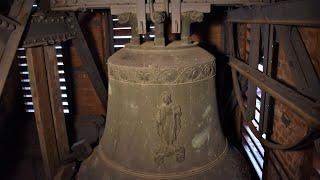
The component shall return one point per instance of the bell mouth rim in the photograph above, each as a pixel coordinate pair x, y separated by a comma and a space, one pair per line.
173, 175
149, 45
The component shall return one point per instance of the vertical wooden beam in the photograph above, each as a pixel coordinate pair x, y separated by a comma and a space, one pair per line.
45, 5
19, 12
42, 107
253, 62
266, 99
108, 33
56, 101
236, 88
266, 107
230, 40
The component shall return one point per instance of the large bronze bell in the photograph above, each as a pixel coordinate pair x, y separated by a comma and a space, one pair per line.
162, 120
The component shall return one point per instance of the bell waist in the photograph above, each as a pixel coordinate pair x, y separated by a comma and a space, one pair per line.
175, 175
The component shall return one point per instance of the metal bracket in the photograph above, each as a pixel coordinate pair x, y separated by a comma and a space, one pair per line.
141, 16
176, 16
187, 19
49, 29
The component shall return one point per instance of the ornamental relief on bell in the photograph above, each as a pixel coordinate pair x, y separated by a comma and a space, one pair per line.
168, 125
162, 76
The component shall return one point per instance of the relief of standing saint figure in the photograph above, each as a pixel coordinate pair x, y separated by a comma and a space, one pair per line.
168, 123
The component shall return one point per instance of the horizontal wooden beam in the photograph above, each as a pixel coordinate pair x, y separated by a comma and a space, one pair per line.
303, 13
308, 110
159, 6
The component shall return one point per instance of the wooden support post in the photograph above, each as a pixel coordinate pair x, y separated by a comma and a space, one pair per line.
43, 114
46, 97
266, 100
108, 34
20, 12
231, 51
56, 101
230, 40
253, 62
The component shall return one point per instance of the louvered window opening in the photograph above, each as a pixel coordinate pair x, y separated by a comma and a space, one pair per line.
24, 77
251, 144
25, 81
122, 34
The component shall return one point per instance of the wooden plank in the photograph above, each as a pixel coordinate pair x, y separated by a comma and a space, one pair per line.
278, 166
43, 114
303, 13
312, 80
231, 51
266, 107
104, 4
230, 39
253, 62
14, 39
289, 97
56, 101
89, 64
300, 64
